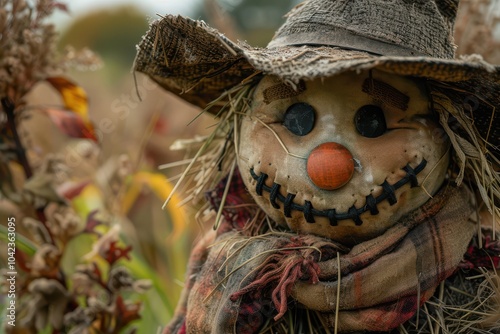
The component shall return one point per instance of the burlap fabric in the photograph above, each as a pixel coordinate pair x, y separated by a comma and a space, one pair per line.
389, 28
382, 282
198, 63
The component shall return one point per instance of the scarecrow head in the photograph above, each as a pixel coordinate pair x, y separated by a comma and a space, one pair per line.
347, 131
340, 134
343, 157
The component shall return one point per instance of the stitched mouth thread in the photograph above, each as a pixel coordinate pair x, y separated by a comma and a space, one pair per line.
333, 216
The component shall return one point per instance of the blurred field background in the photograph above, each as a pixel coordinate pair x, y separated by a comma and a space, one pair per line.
115, 180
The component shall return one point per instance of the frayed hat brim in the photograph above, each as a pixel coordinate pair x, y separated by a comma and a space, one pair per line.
198, 63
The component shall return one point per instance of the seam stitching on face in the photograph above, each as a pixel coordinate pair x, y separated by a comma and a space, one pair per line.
388, 193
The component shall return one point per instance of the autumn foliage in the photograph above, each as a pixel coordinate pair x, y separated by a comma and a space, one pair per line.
76, 272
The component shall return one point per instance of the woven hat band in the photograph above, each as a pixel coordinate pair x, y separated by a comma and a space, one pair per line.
386, 27
346, 40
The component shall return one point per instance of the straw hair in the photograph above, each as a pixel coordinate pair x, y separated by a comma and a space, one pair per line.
214, 156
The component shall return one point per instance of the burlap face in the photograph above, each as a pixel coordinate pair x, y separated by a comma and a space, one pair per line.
411, 143
231, 288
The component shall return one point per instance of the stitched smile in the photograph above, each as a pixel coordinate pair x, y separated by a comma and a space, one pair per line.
388, 193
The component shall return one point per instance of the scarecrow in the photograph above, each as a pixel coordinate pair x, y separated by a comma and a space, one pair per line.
352, 172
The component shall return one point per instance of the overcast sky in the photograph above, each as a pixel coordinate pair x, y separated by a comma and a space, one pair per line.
151, 7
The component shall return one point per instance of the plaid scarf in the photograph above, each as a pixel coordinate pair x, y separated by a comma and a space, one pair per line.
236, 283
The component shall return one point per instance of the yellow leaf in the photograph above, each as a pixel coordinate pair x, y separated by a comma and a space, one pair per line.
162, 189
74, 97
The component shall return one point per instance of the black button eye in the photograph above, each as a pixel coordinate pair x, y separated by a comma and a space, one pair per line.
370, 121
299, 118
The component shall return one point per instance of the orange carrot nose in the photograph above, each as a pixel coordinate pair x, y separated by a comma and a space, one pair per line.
330, 166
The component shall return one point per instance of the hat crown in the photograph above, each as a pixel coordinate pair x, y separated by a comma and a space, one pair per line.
383, 27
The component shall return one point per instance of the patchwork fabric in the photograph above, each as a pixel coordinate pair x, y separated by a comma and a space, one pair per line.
237, 282
235, 212
283, 91
487, 256
384, 92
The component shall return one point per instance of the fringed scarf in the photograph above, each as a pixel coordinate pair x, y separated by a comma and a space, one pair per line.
241, 284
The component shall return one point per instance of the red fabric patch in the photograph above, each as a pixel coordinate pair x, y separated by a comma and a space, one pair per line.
235, 211
487, 257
